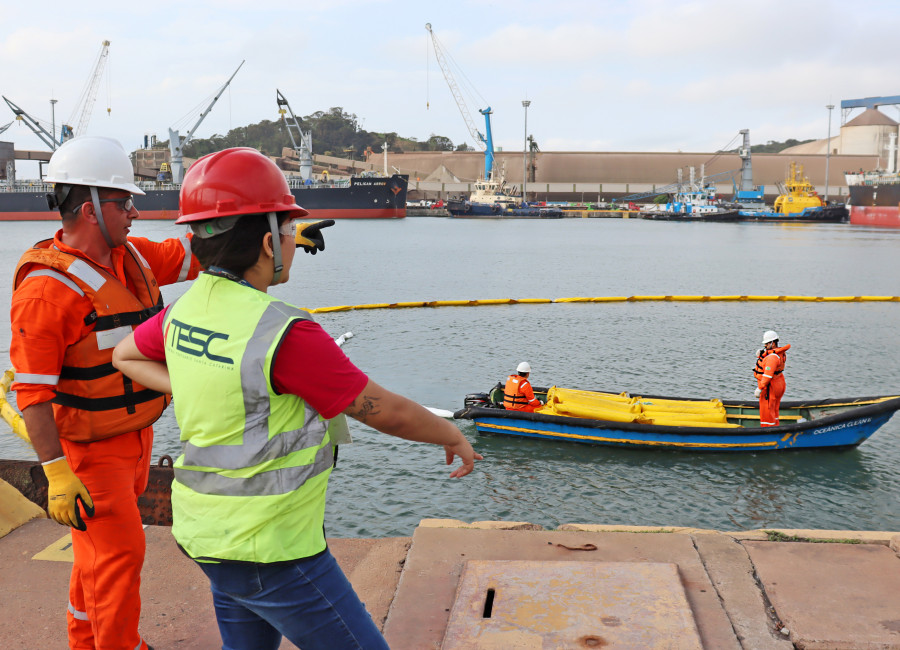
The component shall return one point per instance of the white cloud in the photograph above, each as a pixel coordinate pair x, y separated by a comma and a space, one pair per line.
636, 75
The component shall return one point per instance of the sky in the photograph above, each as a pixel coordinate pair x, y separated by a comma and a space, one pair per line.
634, 75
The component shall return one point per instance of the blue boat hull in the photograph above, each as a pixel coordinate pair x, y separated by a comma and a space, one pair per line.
847, 428
854, 433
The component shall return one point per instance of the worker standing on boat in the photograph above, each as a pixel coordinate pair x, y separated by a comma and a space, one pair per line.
769, 373
248, 499
75, 296
518, 395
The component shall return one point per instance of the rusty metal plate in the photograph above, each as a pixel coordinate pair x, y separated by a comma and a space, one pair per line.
540, 605
155, 504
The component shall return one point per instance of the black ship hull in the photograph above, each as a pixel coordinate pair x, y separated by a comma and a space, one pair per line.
725, 216
363, 198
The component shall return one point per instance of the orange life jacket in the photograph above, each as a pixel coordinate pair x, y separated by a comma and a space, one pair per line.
514, 398
94, 400
781, 353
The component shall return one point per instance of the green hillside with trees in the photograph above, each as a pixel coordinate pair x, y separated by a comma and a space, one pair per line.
334, 133
774, 147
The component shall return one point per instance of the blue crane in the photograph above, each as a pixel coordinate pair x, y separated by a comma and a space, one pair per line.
485, 142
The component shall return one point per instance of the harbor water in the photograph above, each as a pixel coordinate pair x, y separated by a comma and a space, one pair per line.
383, 486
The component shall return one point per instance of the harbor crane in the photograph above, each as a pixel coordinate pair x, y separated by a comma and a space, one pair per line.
304, 149
81, 114
177, 143
486, 142
6, 126
31, 123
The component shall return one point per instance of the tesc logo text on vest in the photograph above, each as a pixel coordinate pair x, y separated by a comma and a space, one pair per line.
196, 341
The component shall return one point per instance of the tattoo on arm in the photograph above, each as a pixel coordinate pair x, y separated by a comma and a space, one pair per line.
364, 406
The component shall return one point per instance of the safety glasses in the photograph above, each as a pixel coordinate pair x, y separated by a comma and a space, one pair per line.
288, 229
125, 204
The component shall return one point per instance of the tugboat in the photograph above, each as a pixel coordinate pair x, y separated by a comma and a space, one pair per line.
695, 202
493, 198
798, 202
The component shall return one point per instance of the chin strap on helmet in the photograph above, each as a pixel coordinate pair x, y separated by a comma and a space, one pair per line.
276, 247
95, 199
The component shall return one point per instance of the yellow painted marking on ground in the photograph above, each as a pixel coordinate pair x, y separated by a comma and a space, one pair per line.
58, 551
630, 441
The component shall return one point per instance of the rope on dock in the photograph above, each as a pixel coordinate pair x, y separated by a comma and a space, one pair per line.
659, 298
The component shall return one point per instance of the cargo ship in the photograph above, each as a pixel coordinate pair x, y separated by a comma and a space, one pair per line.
362, 197
874, 198
875, 195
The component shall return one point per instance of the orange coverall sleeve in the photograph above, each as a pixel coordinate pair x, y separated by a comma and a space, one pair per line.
528, 392
171, 260
46, 317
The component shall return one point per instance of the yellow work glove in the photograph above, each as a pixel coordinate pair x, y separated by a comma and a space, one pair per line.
64, 493
309, 235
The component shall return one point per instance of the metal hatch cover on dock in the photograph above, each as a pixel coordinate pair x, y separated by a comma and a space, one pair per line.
507, 604
428, 587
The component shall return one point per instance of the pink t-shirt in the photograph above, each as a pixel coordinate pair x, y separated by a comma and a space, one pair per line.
309, 364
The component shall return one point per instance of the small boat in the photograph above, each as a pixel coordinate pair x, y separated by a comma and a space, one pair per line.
675, 423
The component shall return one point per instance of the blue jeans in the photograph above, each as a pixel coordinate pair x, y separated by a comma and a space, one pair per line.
310, 602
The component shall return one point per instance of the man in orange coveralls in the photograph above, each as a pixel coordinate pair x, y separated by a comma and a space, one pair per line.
769, 373
518, 394
75, 296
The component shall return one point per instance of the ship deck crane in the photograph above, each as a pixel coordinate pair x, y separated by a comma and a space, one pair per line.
81, 114
486, 142
177, 143
304, 148
31, 123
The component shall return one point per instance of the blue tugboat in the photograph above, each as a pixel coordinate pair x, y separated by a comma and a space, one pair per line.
695, 201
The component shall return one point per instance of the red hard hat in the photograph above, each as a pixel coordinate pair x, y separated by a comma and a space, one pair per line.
232, 182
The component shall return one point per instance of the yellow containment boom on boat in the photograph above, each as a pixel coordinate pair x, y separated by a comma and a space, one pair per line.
639, 410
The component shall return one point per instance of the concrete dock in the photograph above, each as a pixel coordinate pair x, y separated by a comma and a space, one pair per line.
507, 585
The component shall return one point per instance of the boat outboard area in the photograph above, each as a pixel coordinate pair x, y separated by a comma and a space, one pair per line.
676, 423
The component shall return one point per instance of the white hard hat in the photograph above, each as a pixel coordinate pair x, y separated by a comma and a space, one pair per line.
94, 161
769, 336
523, 367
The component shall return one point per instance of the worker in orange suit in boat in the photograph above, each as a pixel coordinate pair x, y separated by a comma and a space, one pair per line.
518, 394
769, 373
